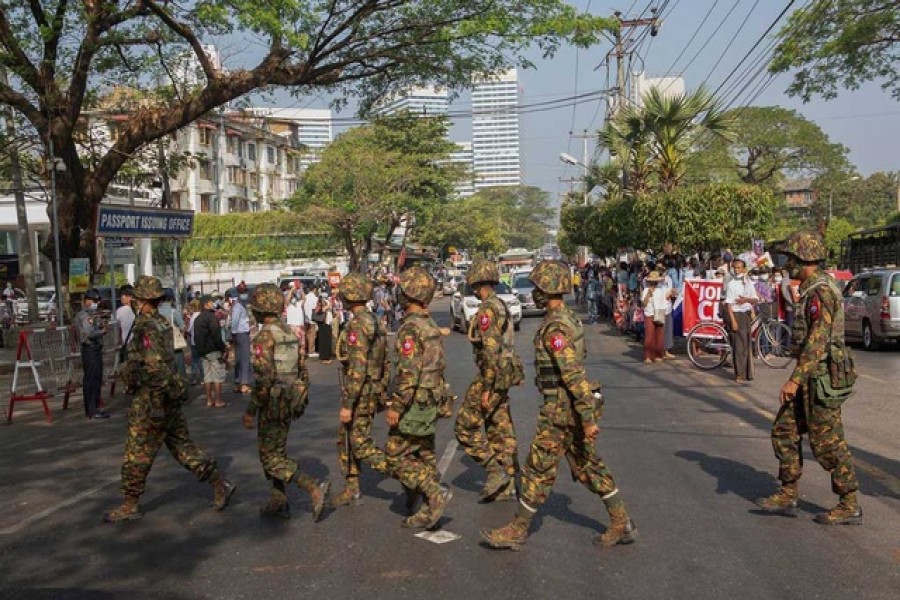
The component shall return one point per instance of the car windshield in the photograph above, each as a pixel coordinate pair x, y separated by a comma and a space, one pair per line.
44, 296
523, 284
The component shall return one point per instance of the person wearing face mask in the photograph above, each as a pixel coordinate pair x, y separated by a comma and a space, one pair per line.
740, 299
91, 330
655, 306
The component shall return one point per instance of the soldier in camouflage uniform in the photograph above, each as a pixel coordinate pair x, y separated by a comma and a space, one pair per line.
818, 332
484, 426
155, 417
280, 394
567, 423
362, 352
413, 409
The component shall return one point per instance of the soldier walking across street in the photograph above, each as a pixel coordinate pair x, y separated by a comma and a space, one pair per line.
155, 417
567, 423
811, 398
280, 395
362, 353
91, 330
418, 389
484, 426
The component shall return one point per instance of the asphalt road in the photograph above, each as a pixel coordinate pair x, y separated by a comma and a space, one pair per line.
690, 451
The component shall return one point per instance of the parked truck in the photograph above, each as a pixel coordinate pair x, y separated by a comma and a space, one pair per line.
872, 248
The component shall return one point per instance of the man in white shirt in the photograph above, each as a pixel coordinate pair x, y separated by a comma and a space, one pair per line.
740, 298
310, 301
240, 337
125, 314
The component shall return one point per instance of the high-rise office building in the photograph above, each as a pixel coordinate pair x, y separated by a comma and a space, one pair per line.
495, 131
421, 101
463, 156
641, 84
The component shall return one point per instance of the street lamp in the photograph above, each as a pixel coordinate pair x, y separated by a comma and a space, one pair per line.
571, 160
831, 193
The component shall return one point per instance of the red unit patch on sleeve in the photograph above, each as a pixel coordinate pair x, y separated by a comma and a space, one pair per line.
558, 342
484, 322
257, 349
352, 338
409, 345
814, 309
146, 341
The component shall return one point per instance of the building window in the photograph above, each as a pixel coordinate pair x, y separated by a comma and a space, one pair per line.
270, 155
238, 204
207, 203
231, 144
205, 168
254, 182
236, 175
251, 151
206, 136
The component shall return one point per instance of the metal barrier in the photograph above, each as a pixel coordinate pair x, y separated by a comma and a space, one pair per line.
41, 368
48, 362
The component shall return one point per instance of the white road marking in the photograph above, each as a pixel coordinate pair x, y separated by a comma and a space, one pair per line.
446, 457
57, 507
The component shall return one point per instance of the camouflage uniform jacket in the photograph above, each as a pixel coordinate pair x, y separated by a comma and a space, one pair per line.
420, 362
364, 361
151, 356
558, 354
276, 395
488, 327
819, 315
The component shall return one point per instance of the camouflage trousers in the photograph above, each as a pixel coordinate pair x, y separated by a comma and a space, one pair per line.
826, 438
271, 442
484, 436
357, 437
552, 442
411, 461
150, 425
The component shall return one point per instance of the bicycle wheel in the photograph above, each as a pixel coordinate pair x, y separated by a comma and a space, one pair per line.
707, 345
777, 336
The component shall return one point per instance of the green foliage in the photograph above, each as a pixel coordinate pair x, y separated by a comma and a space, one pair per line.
705, 217
246, 237
491, 221
840, 43
768, 145
864, 202
64, 57
653, 142
837, 231
372, 176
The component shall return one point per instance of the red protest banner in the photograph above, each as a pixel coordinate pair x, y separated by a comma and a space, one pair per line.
701, 302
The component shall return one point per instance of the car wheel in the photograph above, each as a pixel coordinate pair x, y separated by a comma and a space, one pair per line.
868, 338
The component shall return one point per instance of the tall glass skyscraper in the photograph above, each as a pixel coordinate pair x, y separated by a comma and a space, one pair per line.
495, 131
420, 101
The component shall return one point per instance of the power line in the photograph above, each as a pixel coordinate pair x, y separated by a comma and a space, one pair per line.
691, 41
730, 43
708, 40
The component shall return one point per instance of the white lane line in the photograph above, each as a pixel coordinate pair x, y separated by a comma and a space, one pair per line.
446, 457
57, 507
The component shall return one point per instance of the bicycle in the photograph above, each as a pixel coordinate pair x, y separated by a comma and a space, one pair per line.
709, 344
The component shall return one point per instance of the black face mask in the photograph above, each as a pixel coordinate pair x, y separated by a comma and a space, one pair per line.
540, 298
792, 268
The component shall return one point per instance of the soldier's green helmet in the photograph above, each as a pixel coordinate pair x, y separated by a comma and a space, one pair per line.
148, 288
356, 287
267, 298
483, 271
808, 246
418, 285
552, 277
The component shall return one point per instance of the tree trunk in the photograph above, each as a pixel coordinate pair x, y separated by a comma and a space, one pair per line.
350, 247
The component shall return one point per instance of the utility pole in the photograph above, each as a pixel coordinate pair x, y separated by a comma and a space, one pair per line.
584, 137
622, 35
24, 241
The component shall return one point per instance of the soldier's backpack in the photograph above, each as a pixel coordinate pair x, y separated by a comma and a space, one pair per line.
287, 348
835, 383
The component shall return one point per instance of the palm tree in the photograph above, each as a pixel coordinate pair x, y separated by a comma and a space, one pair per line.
653, 142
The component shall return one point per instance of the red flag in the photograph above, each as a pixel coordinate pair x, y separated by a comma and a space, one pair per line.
402, 258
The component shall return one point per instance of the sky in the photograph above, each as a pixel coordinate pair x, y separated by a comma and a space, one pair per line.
700, 40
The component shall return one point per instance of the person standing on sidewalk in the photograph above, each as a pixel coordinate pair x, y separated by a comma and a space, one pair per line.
155, 417
240, 339
740, 298
818, 339
567, 423
211, 348
125, 314
91, 330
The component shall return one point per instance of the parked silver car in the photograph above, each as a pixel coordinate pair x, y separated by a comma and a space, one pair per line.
46, 301
872, 307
